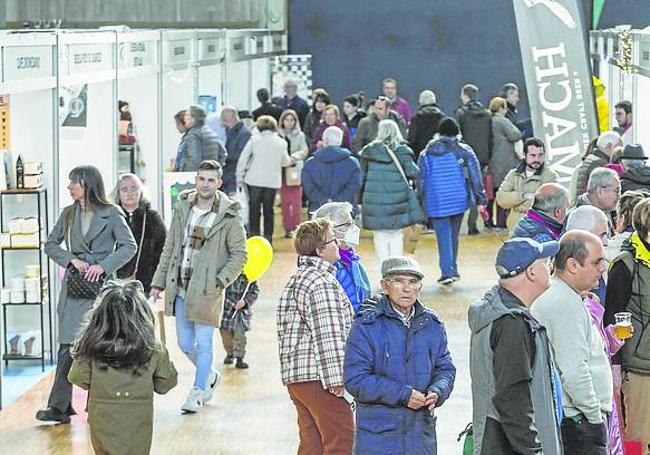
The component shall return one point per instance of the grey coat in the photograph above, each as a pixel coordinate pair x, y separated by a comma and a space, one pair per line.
201, 143
504, 158
108, 242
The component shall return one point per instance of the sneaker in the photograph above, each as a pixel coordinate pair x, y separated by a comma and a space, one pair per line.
194, 401
241, 364
228, 360
456, 277
52, 415
445, 280
213, 381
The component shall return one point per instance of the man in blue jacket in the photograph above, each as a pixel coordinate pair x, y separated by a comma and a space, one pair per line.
397, 366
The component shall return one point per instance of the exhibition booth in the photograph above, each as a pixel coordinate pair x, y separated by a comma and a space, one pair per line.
106, 98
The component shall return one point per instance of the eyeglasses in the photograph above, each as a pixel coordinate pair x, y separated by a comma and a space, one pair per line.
349, 223
403, 282
334, 240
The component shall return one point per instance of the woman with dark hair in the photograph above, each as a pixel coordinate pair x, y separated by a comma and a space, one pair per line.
331, 117
314, 317
98, 242
321, 99
117, 354
147, 227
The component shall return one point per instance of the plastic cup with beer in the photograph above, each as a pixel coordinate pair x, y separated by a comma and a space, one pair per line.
623, 327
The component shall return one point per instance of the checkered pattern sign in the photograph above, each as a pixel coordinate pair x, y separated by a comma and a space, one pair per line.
5, 142
296, 67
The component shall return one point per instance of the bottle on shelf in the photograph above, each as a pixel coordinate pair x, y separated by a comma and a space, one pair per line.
20, 173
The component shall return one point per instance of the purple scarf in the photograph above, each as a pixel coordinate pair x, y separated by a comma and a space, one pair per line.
534, 216
347, 256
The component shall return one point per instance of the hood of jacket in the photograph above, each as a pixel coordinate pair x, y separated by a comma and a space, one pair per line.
227, 206
443, 145
473, 107
429, 111
640, 175
487, 310
332, 154
638, 248
376, 151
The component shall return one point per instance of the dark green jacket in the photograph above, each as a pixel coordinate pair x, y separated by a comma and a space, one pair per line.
385, 198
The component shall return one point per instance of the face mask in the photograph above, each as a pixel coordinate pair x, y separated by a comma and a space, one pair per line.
351, 237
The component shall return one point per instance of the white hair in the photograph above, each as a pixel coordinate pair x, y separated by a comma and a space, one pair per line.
585, 217
388, 133
333, 135
336, 212
427, 97
608, 139
599, 178
144, 192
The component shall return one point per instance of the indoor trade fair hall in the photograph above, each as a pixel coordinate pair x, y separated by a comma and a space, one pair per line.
274, 227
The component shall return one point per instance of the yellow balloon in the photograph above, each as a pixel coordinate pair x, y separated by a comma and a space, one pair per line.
260, 256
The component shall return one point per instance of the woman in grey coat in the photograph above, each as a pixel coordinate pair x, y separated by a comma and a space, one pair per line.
98, 242
504, 137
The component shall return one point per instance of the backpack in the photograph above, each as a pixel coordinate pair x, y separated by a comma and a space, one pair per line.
447, 192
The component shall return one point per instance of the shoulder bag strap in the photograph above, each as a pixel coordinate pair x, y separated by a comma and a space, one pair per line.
144, 226
397, 164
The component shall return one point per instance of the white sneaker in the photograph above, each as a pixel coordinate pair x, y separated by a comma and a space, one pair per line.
213, 381
194, 401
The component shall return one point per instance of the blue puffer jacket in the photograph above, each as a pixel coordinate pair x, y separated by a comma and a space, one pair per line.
450, 178
331, 174
353, 278
540, 227
384, 362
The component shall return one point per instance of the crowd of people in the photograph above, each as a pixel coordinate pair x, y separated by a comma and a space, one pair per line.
559, 347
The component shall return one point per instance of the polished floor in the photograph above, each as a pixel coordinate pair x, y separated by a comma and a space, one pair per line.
251, 412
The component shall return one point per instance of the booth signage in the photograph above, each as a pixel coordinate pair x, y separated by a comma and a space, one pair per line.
27, 62
179, 51
135, 54
558, 79
209, 49
87, 58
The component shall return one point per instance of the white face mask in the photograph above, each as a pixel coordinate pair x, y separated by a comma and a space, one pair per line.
352, 236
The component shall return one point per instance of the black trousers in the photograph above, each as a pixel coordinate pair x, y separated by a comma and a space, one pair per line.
61, 393
261, 201
584, 438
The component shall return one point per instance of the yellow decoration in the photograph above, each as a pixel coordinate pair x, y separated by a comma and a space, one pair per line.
260, 257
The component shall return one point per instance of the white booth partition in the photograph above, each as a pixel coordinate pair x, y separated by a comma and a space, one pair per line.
179, 86
138, 84
28, 115
211, 55
87, 105
259, 50
237, 79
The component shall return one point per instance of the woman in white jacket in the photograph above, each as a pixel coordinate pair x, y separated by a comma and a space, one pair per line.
260, 168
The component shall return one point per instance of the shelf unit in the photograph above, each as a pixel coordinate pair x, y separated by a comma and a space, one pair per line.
45, 288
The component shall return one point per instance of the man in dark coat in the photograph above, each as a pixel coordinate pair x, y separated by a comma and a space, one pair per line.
475, 124
605, 145
367, 130
291, 100
425, 122
266, 108
636, 175
237, 137
397, 366
545, 219
331, 174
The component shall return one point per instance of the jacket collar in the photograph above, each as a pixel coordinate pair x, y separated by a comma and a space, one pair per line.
552, 225
599, 153
97, 225
385, 308
641, 252
223, 206
317, 263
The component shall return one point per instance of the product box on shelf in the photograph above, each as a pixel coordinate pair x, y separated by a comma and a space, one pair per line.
24, 240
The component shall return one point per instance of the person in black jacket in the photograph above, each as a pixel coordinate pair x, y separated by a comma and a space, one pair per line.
199, 142
266, 108
424, 123
291, 100
475, 124
636, 174
129, 195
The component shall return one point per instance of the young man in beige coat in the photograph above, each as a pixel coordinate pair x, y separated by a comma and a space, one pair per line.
204, 252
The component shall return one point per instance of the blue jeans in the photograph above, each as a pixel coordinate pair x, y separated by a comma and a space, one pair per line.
447, 231
195, 340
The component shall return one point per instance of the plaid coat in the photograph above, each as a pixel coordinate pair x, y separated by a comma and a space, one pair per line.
314, 317
234, 293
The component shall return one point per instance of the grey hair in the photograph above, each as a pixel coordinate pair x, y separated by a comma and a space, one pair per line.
230, 109
627, 164
608, 138
600, 177
198, 114
333, 135
427, 97
552, 201
144, 192
585, 218
336, 212
388, 133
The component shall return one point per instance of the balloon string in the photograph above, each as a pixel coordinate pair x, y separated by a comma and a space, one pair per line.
248, 284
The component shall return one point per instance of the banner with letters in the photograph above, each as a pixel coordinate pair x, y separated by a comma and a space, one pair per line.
558, 79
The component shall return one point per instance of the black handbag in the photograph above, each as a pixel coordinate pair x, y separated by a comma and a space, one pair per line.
79, 287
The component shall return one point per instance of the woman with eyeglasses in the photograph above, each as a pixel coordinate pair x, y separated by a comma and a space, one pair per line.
147, 226
313, 318
349, 272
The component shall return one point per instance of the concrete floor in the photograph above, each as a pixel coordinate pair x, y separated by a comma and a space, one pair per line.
251, 412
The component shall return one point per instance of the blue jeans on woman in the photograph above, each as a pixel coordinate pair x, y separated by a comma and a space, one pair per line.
447, 231
195, 340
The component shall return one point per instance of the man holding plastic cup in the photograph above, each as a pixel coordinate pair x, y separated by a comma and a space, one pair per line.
627, 292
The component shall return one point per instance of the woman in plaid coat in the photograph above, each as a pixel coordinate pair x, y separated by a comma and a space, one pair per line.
314, 317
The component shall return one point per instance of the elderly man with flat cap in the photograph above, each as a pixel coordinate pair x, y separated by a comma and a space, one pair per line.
515, 386
397, 366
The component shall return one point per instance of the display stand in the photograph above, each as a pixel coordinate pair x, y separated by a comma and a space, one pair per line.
43, 302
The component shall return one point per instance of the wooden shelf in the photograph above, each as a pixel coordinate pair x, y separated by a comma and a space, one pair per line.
10, 248
22, 357
23, 191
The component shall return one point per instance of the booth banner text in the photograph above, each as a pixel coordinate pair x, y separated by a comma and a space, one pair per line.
558, 79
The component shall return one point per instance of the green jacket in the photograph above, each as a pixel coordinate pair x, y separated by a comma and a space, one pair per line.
219, 262
120, 403
386, 199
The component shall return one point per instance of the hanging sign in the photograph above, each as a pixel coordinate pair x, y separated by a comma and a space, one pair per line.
558, 79
136, 54
179, 51
27, 62
210, 49
88, 58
